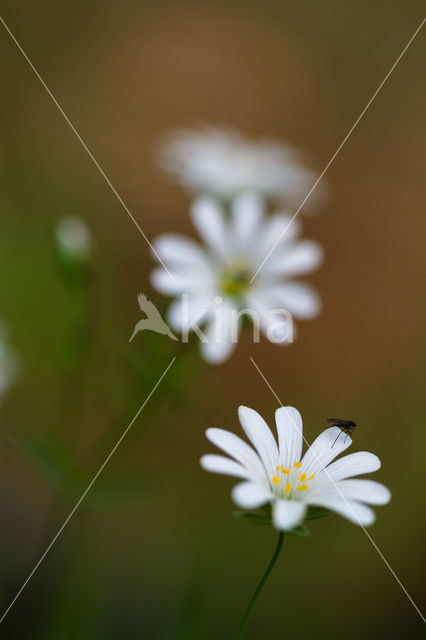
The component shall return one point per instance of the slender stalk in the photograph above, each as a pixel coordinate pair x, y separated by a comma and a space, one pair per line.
260, 585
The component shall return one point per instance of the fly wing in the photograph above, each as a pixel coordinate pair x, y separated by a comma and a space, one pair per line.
342, 424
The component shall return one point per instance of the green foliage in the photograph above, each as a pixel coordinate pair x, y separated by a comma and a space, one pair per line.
48, 457
299, 532
253, 517
265, 517
317, 512
75, 272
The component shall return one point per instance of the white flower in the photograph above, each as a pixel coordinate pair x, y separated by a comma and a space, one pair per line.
9, 365
217, 278
291, 483
74, 238
223, 162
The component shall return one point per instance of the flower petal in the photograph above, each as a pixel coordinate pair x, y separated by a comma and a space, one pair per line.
354, 464
297, 259
221, 334
175, 283
288, 514
189, 310
261, 436
250, 495
354, 511
324, 449
173, 248
290, 435
278, 231
367, 491
237, 449
298, 298
276, 326
220, 464
209, 221
247, 213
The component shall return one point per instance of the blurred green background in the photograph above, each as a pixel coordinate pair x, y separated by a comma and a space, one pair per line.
154, 552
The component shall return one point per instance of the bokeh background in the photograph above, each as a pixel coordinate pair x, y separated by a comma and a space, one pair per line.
154, 552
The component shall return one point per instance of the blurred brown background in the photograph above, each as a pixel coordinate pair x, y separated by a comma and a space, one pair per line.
160, 555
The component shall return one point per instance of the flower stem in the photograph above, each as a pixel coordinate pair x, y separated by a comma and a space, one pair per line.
260, 585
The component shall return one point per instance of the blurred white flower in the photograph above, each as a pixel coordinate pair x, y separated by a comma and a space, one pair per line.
9, 364
213, 283
280, 476
224, 163
74, 238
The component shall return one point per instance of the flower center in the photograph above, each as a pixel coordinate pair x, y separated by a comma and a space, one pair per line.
289, 482
234, 279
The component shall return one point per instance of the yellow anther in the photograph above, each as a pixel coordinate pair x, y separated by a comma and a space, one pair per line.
278, 467
311, 477
276, 480
284, 470
303, 477
297, 464
288, 487
302, 487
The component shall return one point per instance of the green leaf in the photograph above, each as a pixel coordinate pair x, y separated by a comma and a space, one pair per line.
253, 518
47, 456
299, 532
317, 512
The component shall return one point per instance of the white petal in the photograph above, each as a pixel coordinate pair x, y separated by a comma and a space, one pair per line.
367, 491
277, 327
215, 352
290, 435
298, 298
249, 495
237, 449
278, 232
221, 335
189, 310
220, 464
247, 213
261, 436
299, 183
297, 259
209, 221
354, 511
174, 248
288, 514
354, 464
324, 449
173, 284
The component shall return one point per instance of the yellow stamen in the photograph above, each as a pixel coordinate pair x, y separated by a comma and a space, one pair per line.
288, 487
311, 477
278, 468
284, 470
276, 480
297, 464
302, 487
303, 477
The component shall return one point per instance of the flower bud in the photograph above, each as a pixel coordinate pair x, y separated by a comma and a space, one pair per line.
74, 245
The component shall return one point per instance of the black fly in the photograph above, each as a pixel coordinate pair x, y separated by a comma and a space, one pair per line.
345, 426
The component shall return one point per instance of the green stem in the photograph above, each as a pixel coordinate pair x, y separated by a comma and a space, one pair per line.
260, 585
